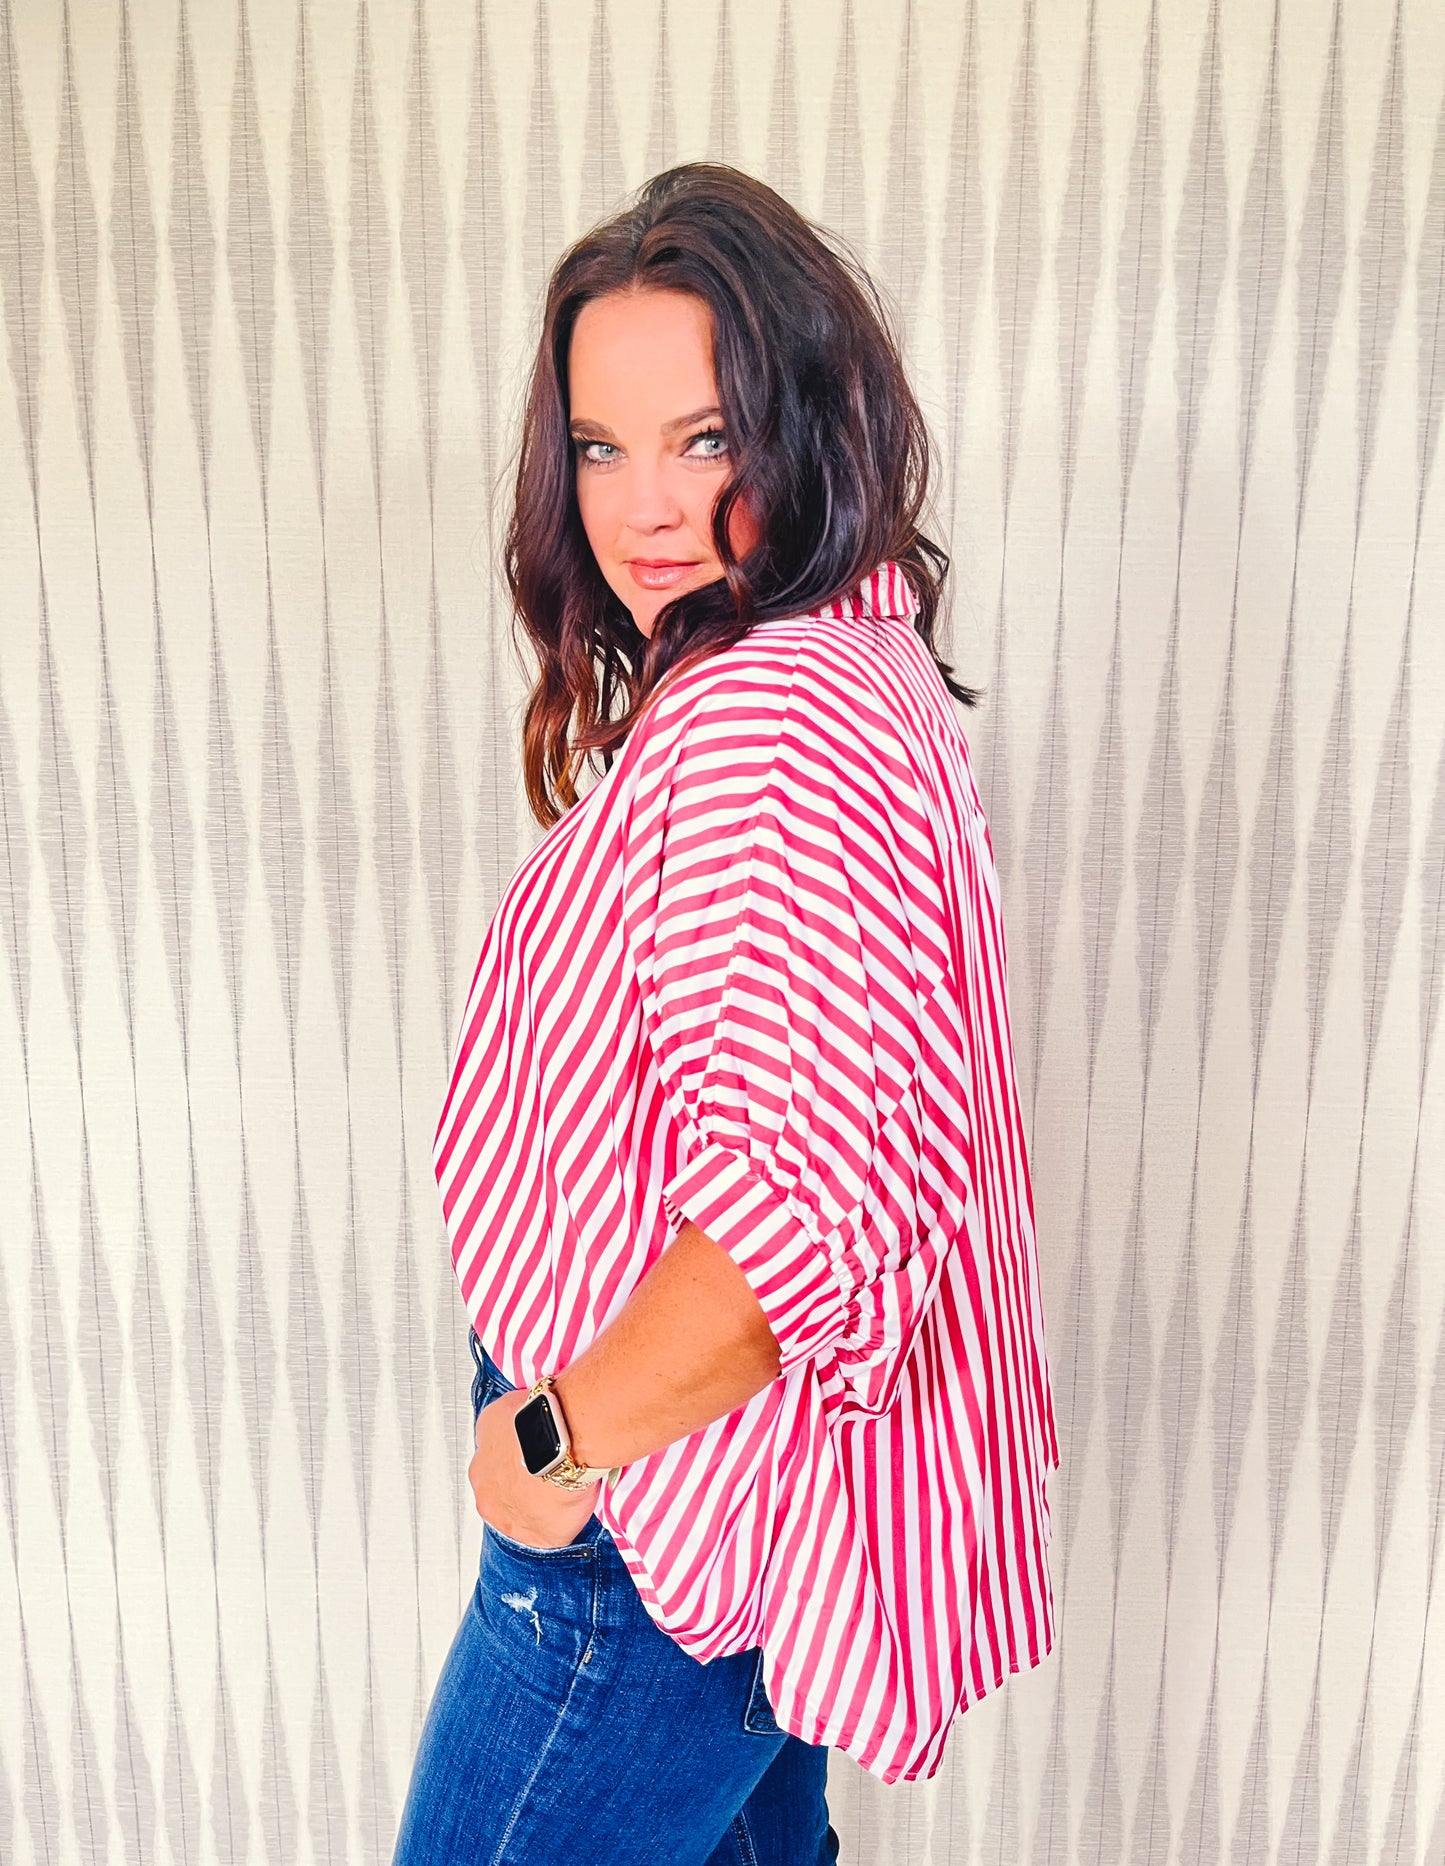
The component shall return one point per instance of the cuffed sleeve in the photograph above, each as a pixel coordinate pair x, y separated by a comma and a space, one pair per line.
783, 914
788, 1268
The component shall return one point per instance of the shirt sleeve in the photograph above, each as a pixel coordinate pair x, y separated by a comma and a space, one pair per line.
781, 896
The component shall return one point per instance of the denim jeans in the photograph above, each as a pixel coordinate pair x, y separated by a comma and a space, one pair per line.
566, 1726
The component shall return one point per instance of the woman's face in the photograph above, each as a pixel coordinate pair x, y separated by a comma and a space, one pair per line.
649, 445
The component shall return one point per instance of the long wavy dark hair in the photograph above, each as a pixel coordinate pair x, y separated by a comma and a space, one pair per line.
828, 446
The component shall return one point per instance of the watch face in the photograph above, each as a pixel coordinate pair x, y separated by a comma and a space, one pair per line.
537, 1434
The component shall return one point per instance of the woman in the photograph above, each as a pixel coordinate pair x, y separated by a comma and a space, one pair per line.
732, 1160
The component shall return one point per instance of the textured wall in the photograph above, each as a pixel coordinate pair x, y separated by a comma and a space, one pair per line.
1172, 290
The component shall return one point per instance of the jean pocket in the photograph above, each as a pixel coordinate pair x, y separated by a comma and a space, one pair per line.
758, 1717
488, 1382
579, 1547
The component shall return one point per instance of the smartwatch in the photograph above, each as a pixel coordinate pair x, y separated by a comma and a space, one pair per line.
546, 1445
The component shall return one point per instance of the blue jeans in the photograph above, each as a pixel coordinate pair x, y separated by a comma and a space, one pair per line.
566, 1726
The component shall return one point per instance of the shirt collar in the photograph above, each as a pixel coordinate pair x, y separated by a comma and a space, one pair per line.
885, 591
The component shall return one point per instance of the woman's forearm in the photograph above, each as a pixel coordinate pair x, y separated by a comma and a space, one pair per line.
690, 1345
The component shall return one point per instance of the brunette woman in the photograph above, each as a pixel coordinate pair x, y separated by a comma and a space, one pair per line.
732, 1158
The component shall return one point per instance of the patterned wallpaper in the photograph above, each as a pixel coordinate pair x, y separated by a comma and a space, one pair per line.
1171, 283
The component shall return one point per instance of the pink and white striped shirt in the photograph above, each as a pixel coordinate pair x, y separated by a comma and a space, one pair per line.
756, 977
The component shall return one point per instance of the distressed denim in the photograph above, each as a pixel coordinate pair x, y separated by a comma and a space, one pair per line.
567, 1727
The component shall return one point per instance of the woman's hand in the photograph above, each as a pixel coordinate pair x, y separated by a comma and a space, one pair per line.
527, 1508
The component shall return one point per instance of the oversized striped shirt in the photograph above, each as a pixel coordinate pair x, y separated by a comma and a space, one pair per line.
756, 977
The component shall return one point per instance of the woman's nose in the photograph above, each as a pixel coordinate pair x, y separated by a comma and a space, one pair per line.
651, 503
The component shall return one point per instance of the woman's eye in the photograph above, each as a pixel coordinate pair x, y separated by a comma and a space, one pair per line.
588, 451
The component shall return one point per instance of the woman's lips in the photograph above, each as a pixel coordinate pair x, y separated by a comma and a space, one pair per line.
657, 576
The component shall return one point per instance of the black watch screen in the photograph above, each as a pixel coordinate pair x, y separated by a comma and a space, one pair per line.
537, 1434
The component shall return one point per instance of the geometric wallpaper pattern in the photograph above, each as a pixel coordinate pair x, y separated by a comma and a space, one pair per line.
1170, 281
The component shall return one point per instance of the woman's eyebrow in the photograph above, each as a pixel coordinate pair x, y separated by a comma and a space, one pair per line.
668, 427
686, 421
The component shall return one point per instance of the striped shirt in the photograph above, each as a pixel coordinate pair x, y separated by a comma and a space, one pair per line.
755, 978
